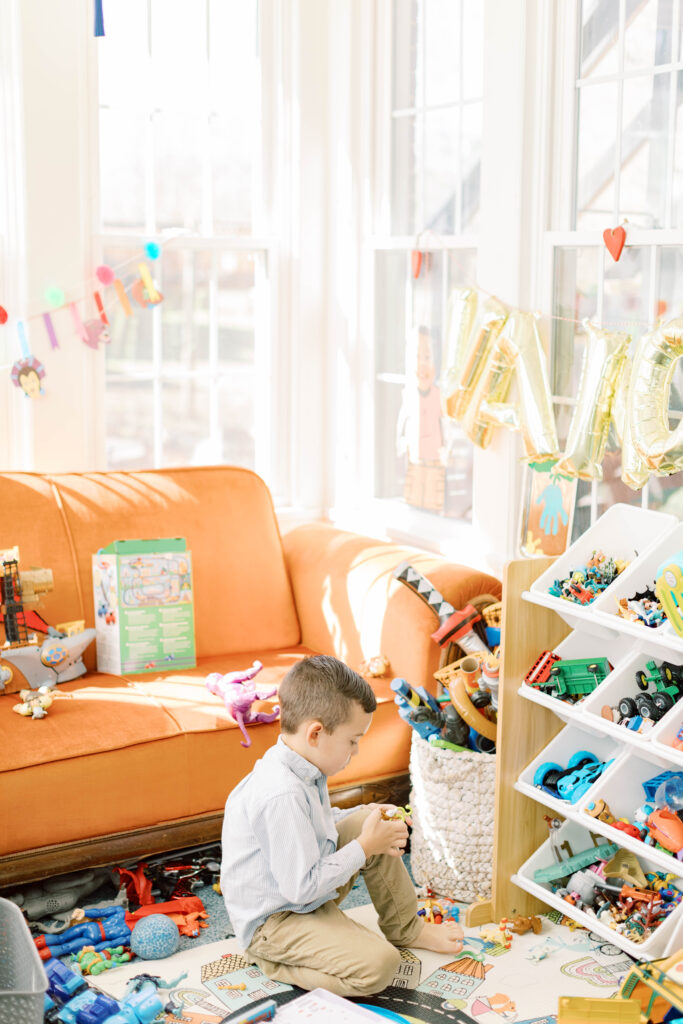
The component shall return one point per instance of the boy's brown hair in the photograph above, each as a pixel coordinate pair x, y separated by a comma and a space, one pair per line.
324, 689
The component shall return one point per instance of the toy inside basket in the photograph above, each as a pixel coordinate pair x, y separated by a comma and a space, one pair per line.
491, 611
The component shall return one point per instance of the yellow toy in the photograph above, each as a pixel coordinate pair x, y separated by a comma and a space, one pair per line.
578, 1010
501, 936
669, 590
34, 703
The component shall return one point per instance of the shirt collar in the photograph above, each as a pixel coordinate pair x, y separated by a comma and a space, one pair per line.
302, 768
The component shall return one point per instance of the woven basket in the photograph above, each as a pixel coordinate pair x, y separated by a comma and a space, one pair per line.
452, 800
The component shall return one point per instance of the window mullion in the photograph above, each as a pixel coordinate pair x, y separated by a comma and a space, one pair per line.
620, 110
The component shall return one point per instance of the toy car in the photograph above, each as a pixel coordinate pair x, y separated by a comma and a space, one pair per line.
574, 678
572, 782
540, 670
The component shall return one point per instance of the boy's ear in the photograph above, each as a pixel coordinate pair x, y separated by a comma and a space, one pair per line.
313, 731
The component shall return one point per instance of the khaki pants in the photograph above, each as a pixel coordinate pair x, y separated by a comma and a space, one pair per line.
326, 948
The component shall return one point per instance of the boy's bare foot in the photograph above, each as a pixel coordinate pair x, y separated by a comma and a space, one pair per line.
440, 938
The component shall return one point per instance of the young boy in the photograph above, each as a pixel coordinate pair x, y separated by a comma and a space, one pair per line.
289, 858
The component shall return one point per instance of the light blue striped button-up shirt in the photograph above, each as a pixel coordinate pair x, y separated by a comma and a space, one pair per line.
280, 842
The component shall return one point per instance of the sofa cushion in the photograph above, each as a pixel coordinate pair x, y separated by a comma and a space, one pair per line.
243, 599
119, 754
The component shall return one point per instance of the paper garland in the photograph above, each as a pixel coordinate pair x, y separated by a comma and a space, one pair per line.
27, 372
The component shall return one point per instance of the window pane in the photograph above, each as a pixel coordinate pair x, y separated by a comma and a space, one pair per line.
405, 59
473, 49
237, 404
232, 144
179, 41
129, 408
626, 291
185, 310
233, 52
442, 39
644, 144
596, 155
648, 34
404, 154
670, 295
178, 144
599, 27
127, 44
575, 299
441, 170
677, 184
666, 494
235, 311
122, 169
420, 457
470, 166
185, 420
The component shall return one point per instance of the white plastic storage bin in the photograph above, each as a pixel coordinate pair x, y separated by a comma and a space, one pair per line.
622, 685
623, 792
665, 732
639, 577
569, 742
622, 532
579, 644
664, 940
23, 981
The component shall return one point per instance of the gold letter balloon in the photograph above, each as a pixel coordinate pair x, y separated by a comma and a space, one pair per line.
475, 325
653, 368
602, 370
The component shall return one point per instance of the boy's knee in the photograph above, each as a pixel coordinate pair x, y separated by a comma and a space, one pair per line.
379, 970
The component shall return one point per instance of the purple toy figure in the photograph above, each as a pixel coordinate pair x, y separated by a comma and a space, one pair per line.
239, 693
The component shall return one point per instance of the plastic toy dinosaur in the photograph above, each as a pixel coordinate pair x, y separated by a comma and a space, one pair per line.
239, 693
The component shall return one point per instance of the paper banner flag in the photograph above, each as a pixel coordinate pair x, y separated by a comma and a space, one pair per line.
78, 323
50, 328
23, 341
28, 374
100, 307
99, 19
123, 298
152, 293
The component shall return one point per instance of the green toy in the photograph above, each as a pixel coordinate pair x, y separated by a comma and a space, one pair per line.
90, 961
574, 678
605, 851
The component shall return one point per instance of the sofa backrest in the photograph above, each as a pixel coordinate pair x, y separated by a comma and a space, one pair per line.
243, 599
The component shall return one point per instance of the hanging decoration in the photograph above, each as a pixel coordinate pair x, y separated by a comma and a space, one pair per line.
604, 358
99, 19
654, 364
28, 372
547, 510
489, 350
614, 240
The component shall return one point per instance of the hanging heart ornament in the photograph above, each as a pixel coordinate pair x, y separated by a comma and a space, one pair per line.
614, 240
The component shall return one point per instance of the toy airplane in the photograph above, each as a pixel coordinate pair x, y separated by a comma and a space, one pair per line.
56, 660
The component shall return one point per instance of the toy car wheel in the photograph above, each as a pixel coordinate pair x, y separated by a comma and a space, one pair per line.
582, 758
627, 707
646, 706
642, 680
547, 774
593, 667
480, 699
663, 702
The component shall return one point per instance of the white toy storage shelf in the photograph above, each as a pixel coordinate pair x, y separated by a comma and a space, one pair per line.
645, 539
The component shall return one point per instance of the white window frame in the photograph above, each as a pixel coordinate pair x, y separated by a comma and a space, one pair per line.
271, 457
564, 44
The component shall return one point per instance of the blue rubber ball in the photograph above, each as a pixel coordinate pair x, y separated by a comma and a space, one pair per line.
154, 937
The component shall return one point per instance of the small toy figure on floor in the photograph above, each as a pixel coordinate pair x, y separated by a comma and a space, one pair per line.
239, 693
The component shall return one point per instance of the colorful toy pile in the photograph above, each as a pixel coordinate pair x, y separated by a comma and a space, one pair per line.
69, 1000
656, 822
609, 884
584, 584
643, 607
465, 718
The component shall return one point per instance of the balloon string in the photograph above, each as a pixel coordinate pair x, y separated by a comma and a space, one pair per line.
570, 320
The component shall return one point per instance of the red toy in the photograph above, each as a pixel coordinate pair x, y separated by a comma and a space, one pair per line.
540, 670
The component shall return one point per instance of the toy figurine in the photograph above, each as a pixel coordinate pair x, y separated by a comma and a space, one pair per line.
34, 703
239, 693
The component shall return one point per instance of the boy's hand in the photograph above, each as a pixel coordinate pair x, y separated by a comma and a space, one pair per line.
378, 836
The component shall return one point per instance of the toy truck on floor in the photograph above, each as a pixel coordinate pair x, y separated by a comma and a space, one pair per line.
570, 679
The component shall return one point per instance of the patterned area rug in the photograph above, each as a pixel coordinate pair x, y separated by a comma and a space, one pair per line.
486, 983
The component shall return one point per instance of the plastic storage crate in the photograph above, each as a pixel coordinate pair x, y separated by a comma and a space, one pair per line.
23, 981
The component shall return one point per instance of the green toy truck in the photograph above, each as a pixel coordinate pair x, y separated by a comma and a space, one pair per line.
571, 679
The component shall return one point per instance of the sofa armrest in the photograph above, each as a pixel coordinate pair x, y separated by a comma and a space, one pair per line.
349, 604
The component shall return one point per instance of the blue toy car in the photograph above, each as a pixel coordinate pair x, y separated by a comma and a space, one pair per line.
572, 782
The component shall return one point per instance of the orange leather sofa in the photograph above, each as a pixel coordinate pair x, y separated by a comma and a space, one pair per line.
121, 767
